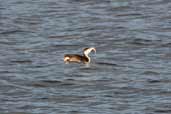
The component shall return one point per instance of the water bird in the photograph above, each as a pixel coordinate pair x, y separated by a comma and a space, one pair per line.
84, 58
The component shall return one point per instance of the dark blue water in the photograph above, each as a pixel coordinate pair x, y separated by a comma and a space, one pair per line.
130, 74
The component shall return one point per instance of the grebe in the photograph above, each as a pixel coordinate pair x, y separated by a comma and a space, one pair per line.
79, 58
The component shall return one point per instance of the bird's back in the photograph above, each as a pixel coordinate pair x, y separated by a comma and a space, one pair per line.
72, 58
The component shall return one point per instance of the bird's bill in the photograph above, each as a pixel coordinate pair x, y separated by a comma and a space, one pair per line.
94, 49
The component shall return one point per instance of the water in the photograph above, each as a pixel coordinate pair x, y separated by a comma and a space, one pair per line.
130, 74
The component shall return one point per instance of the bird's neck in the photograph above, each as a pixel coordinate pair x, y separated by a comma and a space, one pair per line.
88, 58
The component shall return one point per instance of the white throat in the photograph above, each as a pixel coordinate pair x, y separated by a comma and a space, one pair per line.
86, 55
87, 51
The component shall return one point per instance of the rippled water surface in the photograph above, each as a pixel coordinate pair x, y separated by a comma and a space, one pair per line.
130, 73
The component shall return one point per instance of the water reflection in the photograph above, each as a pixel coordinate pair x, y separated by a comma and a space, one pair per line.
130, 72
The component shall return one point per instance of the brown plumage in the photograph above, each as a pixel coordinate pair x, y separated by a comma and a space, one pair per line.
79, 58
